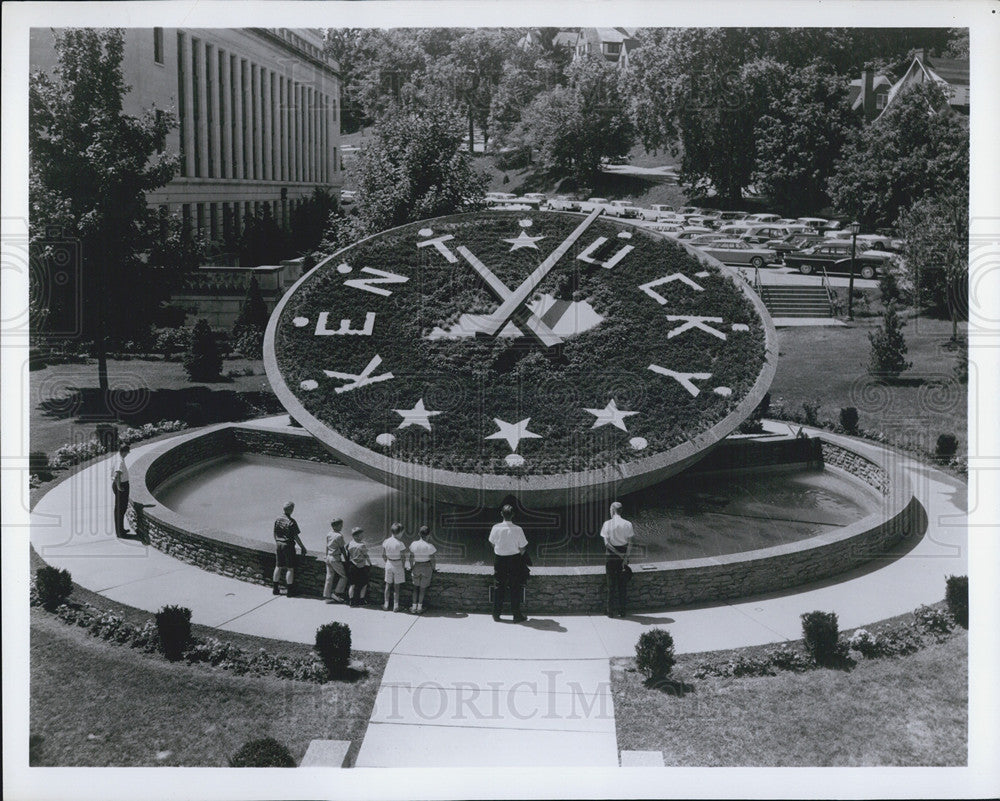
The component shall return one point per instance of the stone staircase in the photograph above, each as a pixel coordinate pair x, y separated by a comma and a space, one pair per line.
796, 301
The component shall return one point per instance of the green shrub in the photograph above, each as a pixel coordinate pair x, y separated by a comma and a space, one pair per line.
333, 644
170, 341
947, 445
888, 287
888, 347
932, 620
173, 624
811, 411
849, 419
203, 362
53, 586
820, 631
654, 653
265, 752
956, 595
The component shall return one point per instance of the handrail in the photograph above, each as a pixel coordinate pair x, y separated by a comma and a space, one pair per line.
828, 288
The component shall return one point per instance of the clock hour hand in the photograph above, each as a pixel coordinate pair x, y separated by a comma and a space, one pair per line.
496, 321
529, 320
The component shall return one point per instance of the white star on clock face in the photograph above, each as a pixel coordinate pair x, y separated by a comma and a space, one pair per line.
524, 241
610, 414
417, 416
513, 432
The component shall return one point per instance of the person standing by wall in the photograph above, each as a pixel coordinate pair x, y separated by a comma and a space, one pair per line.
286, 535
393, 551
509, 545
617, 534
119, 486
424, 562
336, 554
357, 568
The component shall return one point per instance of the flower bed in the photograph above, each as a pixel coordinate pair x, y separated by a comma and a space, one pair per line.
470, 376
77, 452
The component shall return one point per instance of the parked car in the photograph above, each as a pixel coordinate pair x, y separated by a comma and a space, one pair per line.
496, 198
732, 216
690, 232
835, 257
759, 234
819, 223
623, 208
592, 203
737, 251
671, 229
792, 243
763, 218
564, 203
537, 197
684, 210
513, 207
347, 197
657, 211
734, 229
877, 242
705, 239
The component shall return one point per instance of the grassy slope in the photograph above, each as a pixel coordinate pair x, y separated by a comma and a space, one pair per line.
907, 711
831, 364
97, 704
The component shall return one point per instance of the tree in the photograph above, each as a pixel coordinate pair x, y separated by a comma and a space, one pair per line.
91, 165
935, 233
262, 241
575, 127
308, 221
414, 168
888, 347
248, 330
203, 362
800, 137
917, 148
700, 92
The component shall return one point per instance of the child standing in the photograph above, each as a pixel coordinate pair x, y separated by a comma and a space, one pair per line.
392, 552
422, 567
357, 570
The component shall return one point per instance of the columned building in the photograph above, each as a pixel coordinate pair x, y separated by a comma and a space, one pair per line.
259, 124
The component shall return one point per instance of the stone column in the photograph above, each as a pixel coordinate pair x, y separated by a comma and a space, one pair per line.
226, 88
216, 104
258, 127
187, 111
238, 122
202, 132
265, 101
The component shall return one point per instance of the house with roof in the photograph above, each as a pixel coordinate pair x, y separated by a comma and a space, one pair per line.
613, 44
951, 74
869, 94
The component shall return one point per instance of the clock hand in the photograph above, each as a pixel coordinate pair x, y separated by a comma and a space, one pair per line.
541, 331
496, 321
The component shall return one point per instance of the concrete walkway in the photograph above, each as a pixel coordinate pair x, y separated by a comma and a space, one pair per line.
461, 689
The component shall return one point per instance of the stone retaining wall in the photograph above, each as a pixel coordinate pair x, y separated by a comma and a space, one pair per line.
552, 590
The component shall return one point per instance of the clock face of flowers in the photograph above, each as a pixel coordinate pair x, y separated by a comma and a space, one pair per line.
517, 343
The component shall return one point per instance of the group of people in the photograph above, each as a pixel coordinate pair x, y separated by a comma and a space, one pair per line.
348, 562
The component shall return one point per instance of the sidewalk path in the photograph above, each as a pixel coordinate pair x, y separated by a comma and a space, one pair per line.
454, 724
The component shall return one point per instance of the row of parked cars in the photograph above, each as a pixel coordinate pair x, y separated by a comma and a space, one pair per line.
808, 244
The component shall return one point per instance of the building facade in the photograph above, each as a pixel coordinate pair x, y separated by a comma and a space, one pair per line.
259, 123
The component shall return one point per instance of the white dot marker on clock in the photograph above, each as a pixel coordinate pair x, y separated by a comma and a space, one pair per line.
702, 274
638, 443
725, 392
740, 327
309, 384
625, 235
426, 232
514, 460
525, 223
385, 440
344, 268
299, 322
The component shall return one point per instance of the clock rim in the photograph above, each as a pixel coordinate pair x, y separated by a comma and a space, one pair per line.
545, 490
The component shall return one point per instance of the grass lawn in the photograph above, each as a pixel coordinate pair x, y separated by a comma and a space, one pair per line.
159, 389
907, 711
96, 704
830, 364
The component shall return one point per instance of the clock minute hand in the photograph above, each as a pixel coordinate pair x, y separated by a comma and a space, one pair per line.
540, 330
496, 321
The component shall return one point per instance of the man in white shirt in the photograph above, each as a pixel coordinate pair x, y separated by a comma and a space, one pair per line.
617, 534
509, 567
119, 486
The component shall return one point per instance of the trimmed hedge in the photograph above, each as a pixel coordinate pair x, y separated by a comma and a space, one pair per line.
265, 752
474, 380
957, 597
53, 586
820, 631
654, 654
173, 624
333, 644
